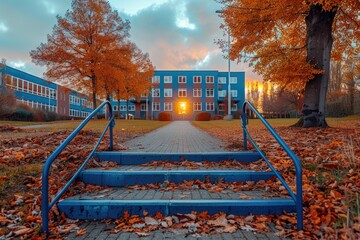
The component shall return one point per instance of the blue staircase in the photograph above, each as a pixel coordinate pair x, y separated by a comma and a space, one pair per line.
132, 170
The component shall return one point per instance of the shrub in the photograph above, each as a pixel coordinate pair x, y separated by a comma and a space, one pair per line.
203, 116
218, 117
7, 102
164, 116
22, 113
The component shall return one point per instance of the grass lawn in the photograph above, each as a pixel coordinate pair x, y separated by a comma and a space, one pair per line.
351, 121
121, 126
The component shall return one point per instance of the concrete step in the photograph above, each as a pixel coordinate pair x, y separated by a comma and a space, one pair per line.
111, 203
132, 175
136, 158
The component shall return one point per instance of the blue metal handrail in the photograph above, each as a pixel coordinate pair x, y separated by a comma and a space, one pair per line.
296, 197
46, 206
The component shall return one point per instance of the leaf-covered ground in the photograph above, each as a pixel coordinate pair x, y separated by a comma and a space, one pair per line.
331, 182
331, 175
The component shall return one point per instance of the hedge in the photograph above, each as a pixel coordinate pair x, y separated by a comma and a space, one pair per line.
164, 116
203, 116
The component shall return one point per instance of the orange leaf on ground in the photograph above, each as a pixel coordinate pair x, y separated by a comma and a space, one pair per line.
81, 232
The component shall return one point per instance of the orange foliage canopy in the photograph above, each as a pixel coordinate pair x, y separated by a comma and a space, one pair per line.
271, 35
88, 48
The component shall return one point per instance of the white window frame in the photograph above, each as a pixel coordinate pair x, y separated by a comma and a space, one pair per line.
181, 79
155, 79
233, 80
209, 79
182, 90
197, 92
156, 92
167, 92
156, 106
222, 93
167, 79
234, 107
210, 106
222, 80
168, 106
208, 91
234, 93
143, 107
197, 106
196, 79
131, 108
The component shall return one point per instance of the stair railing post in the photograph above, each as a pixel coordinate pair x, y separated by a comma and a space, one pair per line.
111, 148
45, 200
243, 119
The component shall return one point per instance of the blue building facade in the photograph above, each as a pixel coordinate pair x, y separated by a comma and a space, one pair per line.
44, 95
184, 93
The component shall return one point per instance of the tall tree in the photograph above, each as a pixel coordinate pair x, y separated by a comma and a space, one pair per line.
291, 43
138, 79
81, 44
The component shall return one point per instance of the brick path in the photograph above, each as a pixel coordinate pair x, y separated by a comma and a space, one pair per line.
178, 136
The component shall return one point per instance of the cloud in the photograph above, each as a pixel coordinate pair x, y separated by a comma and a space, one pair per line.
3, 27
181, 35
176, 34
28, 23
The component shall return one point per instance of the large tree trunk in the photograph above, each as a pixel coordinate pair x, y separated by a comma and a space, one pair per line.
318, 44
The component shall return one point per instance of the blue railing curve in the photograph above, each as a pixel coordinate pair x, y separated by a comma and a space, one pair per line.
296, 197
45, 205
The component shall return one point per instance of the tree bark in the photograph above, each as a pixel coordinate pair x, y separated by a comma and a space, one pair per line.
319, 44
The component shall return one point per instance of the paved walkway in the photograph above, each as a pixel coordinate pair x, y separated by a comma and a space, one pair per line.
178, 136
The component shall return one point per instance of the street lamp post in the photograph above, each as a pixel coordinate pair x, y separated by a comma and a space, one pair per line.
229, 117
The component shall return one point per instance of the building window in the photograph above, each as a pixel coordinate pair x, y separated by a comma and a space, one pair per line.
143, 107
222, 80
197, 106
209, 79
209, 92
209, 106
123, 108
221, 107
156, 92
234, 107
156, 106
167, 106
233, 80
167, 92
74, 100
182, 92
234, 93
197, 92
131, 107
167, 79
155, 79
197, 79
182, 79
222, 93
115, 107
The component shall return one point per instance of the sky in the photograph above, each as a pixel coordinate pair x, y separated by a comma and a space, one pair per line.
177, 34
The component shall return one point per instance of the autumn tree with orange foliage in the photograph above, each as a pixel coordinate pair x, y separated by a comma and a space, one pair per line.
291, 43
137, 79
83, 44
